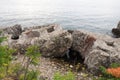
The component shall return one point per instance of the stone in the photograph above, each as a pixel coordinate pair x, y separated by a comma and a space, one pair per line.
58, 45
96, 49
82, 42
101, 54
52, 40
15, 31
116, 31
54, 44
31, 34
118, 26
14, 37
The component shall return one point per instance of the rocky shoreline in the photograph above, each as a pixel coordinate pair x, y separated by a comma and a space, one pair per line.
94, 49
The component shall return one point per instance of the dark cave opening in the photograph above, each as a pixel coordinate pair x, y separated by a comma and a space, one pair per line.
73, 57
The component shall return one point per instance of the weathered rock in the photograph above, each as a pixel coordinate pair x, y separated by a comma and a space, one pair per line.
14, 36
82, 42
102, 54
52, 40
58, 45
97, 49
15, 31
116, 31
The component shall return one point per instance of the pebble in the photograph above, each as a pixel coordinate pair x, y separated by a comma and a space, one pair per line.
71, 66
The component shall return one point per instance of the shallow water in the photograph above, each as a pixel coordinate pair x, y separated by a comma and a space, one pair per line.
93, 15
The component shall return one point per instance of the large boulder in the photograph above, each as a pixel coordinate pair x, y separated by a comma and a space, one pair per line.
52, 40
116, 31
56, 45
96, 49
103, 53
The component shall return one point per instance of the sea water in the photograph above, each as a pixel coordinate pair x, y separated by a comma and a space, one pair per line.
92, 15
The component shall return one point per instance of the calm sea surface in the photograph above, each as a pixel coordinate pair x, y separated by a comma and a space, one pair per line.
93, 15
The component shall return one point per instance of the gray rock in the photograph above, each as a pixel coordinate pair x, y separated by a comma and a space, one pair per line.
14, 36
15, 31
82, 42
102, 54
52, 40
97, 49
58, 45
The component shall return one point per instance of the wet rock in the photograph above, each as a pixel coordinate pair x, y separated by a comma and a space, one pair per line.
118, 26
116, 31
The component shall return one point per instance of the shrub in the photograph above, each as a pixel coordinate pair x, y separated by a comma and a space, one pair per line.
17, 70
114, 70
8, 69
5, 60
31, 75
2, 39
114, 65
33, 55
112, 73
68, 76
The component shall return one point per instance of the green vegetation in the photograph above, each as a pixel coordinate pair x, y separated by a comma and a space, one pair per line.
5, 60
33, 55
114, 65
2, 39
68, 76
18, 71
7, 68
106, 75
31, 75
